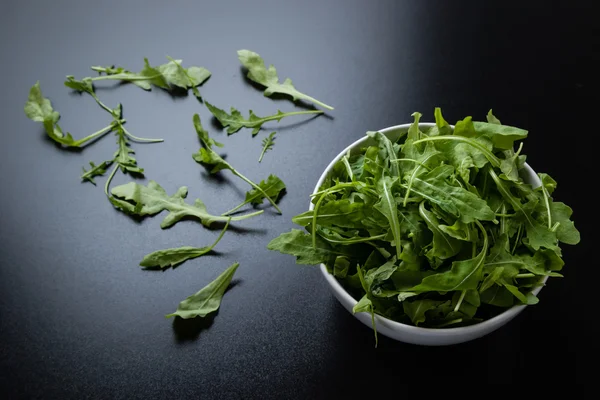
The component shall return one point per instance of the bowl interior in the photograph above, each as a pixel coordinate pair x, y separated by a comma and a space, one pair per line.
393, 133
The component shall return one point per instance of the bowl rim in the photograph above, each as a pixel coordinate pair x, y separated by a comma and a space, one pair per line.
488, 323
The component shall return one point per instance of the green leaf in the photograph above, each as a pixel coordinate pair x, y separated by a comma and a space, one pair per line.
173, 257
463, 275
444, 246
391, 156
337, 212
502, 136
165, 76
152, 199
388, 207
95, 170
455, 200
272, 187
497, 296
491, 278
300, 245
492, 119
190, 78
236, 121
257, 72
39, 109
416, 309
208, 299
267, 144
413, 132
123, 157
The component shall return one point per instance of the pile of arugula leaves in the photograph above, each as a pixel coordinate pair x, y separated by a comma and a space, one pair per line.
139, 200
437, 228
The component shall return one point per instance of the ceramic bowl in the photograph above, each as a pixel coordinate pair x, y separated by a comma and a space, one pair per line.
409, 333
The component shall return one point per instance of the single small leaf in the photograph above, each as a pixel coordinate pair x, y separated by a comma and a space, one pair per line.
267, 144
95, 170
236, 121
208, 299
416, 309
337, 212
444, 246
173, 257
39, 109
257, 72
272, 188
300, 245
123, 156
152, 199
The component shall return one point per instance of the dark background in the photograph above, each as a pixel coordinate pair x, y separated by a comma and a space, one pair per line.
80, 319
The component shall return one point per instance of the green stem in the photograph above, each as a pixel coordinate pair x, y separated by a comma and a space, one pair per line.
397, 160
316, 210
279, 117
315, 101
255, 186
454, 321
139, 139
351, 241
488, 154
110, 177
460, 300
547, 203
234, 209
519, 232
94, 135
346, 164
124, 77
525, 276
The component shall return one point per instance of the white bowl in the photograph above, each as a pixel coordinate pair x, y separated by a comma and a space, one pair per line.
408, 333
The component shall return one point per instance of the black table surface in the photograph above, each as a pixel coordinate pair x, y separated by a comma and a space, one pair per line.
80, 319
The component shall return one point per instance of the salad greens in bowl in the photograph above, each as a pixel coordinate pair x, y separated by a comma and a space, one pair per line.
431, 233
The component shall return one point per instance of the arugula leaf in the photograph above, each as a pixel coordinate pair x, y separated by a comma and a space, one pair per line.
236, 121
272, 187
173, 257
207, 156
206, 300
463, 275
338, 212
416, 309
388, 207
257, 72
444, 246
300, 244
455, 200
165, 76
39, 109
95, 170
268, 144
152, 199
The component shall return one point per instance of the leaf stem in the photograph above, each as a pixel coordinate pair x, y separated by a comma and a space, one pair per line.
315, 101
279, 117
255, 186
460, 300
94, 135
110, 177
525, 276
